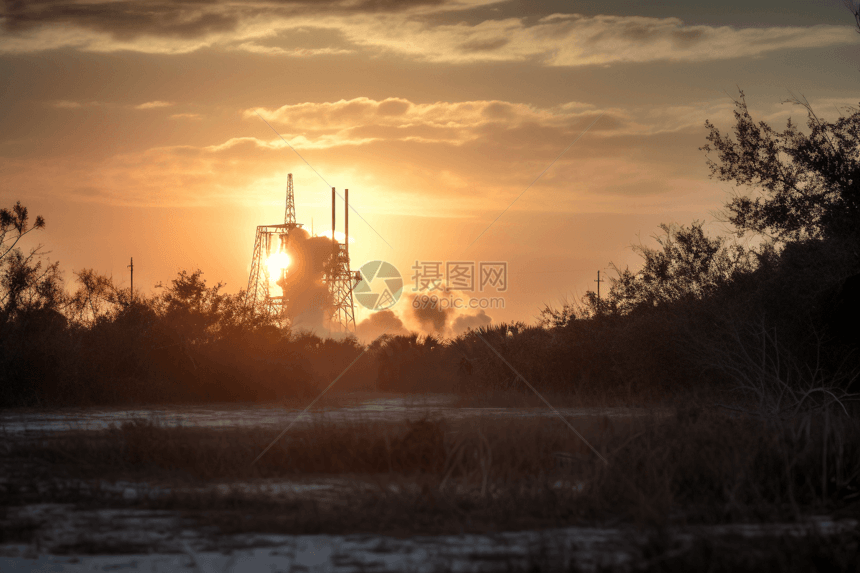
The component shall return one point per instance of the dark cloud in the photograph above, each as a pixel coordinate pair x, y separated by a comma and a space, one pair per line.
124, 20
484, 45
558, 40
641, 33
635, 30
184, 19
687, 37
739, 13
382, 5
499, 110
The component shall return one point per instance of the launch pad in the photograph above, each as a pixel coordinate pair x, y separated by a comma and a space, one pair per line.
272, 268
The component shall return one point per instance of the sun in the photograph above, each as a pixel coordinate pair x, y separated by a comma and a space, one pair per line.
276, 262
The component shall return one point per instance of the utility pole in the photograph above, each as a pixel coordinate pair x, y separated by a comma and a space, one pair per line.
598, 281
131, 266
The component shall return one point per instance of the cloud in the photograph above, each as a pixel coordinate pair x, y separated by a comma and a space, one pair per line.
255, 48
153, 105
364, 120
491, 124
407, 29
573, 40
321, 142
189, 18
69, 104
467, 159
64, 104
123, 20
410, 158
175, 27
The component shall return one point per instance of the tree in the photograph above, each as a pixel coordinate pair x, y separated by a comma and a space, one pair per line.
808, 186
190, 307
96, 297
551, 317
25, 283
689, 265
14, 224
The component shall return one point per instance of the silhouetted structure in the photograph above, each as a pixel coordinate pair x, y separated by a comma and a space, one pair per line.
272, 239
272, 253
340, 279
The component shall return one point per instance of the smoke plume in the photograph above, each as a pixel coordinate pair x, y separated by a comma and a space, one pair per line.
310, 303
441, 319
379, 323
466, 322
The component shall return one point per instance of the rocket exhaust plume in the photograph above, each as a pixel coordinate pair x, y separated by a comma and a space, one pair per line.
305, 288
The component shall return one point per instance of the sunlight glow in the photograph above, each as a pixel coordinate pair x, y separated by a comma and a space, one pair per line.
278, 261
337, 235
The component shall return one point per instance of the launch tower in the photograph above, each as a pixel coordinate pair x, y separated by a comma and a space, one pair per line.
270, 265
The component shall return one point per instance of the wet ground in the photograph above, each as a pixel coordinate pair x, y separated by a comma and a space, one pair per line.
73, 539
369, 408
66, 537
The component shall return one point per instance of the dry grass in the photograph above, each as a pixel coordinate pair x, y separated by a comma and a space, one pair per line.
477, 475
520, 446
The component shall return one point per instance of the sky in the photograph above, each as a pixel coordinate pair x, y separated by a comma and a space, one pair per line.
550, 136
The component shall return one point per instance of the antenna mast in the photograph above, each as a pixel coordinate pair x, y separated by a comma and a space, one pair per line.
131, 290
290, 211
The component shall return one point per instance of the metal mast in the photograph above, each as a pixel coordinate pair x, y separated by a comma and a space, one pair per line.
341, 280
269, 239
290, 211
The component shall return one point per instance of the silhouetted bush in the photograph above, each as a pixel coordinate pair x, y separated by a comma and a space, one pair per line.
190, 343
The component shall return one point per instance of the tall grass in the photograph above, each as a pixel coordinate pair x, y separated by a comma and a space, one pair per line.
691, 467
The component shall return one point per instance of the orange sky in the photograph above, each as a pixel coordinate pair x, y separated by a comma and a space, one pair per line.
133, 127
